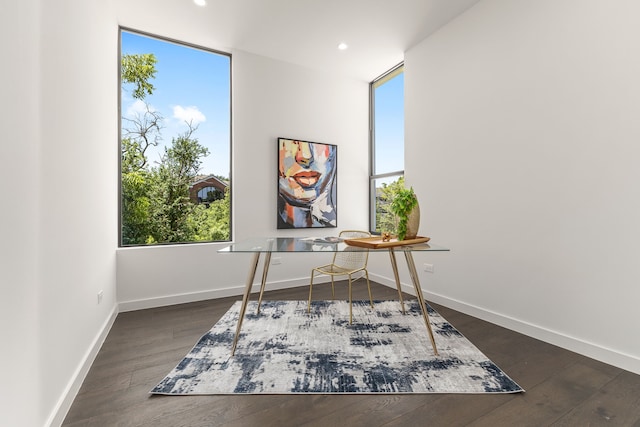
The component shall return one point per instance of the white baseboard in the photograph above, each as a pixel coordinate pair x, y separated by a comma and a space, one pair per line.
210, 294
57, 416
592, 350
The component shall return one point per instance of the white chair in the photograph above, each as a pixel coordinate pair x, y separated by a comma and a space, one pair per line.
346, 263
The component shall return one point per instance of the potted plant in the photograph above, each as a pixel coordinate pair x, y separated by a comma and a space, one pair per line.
405, 207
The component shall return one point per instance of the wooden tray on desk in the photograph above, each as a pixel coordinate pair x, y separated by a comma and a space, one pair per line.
377, 243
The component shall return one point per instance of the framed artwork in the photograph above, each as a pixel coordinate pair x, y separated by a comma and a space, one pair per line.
307, 184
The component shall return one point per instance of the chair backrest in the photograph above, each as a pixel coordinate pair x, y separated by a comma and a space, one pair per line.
352, 258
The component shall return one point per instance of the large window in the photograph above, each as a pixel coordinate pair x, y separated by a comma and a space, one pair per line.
387, 147
175, 140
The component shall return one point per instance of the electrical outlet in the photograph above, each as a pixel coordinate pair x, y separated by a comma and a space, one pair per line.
276, 261
428, 268
100, 295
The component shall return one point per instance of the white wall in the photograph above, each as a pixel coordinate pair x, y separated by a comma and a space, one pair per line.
59, 191
270, 99
522, 138
79, 153
18, 213
76, 193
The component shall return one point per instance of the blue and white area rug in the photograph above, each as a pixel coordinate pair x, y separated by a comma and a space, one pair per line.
284, 350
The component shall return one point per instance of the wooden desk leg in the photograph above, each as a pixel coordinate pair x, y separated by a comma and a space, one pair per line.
423, 306
265, 271
394, 264
245, 299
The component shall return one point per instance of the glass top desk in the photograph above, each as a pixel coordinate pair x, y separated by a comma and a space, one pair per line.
269, 245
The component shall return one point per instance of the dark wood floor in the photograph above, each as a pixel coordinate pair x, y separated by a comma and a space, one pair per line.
562, 388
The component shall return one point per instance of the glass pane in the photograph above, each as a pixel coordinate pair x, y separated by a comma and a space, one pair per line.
383, 219
309, 244
389, 126
175, 139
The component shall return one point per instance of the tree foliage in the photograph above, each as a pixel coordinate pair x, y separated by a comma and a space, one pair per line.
139, 70
169, 188
156, 207
135, 207
386, 219
212, 223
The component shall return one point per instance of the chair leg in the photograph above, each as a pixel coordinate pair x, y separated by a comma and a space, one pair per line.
333, 289
350, 303
366, 274
310, 291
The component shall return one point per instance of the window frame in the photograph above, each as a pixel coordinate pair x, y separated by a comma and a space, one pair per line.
122, 29
373, 176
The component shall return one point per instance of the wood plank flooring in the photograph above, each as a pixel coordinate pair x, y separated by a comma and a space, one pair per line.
562, 388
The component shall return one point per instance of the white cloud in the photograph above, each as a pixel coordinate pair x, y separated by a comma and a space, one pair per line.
188, 114
138, 108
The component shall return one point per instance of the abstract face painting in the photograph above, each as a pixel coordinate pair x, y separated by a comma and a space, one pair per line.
306, 184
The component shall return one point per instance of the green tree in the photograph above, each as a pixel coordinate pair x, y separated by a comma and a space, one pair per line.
169, 189
135, 202
385, 218
139, 70
140, 133
211, 223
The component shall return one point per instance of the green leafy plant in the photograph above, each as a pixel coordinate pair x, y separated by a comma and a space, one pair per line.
403, 203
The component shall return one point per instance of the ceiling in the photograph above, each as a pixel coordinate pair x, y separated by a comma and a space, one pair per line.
303, 32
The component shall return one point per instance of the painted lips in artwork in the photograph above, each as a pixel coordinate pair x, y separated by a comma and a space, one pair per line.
307, 179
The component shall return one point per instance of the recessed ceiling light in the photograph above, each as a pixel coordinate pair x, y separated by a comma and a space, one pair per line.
343, 46
200, 2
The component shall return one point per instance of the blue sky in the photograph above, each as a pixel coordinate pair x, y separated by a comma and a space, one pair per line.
190, 84
389, 125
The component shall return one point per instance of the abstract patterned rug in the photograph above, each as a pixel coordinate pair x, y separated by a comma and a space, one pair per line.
284, 350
